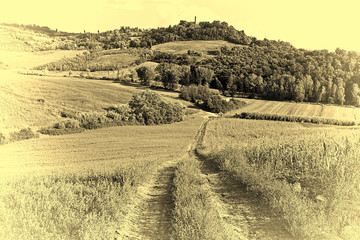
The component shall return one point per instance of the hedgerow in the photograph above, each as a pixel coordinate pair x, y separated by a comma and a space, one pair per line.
289, 118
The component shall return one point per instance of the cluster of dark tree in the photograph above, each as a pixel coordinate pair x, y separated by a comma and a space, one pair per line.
276, 70
208, 100
191, 31
194, 83
173, 75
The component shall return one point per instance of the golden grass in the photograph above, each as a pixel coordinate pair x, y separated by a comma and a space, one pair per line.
28, 60
78, 186
306, 173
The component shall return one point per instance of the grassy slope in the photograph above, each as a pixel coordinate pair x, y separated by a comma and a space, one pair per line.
301, 109
114, 146
20, 106
15, 39
181, 47
27, 60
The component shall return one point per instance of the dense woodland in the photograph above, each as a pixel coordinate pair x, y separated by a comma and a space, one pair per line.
278, 71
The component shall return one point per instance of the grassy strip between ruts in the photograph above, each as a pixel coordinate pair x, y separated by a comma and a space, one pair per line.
288, 118
196, 214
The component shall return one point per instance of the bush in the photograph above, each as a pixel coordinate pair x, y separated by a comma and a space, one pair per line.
216, 104
150, 109
195, 93
25, 133
120, 113
69, 123
2, 139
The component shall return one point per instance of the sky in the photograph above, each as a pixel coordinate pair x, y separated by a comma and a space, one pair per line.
309, 24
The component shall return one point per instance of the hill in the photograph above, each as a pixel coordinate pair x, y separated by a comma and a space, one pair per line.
20, 39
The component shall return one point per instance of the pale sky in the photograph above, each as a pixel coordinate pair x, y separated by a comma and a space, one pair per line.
310, 24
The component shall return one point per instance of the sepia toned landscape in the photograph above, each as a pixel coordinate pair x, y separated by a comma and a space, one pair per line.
193, 130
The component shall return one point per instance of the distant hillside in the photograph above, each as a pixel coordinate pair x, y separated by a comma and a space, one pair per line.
22, 39
38, 29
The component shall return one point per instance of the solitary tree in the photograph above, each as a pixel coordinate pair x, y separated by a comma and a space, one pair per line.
146, 75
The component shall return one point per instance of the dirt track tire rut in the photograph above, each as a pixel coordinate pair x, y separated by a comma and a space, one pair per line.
155, 211
248, 216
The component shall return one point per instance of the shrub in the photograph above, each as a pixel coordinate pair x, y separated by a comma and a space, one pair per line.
25, 133
144, 108
150, 108
2, 139
120, 113
194, 93
69, 123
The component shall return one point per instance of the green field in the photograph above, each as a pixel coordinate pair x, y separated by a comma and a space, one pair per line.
300, 109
